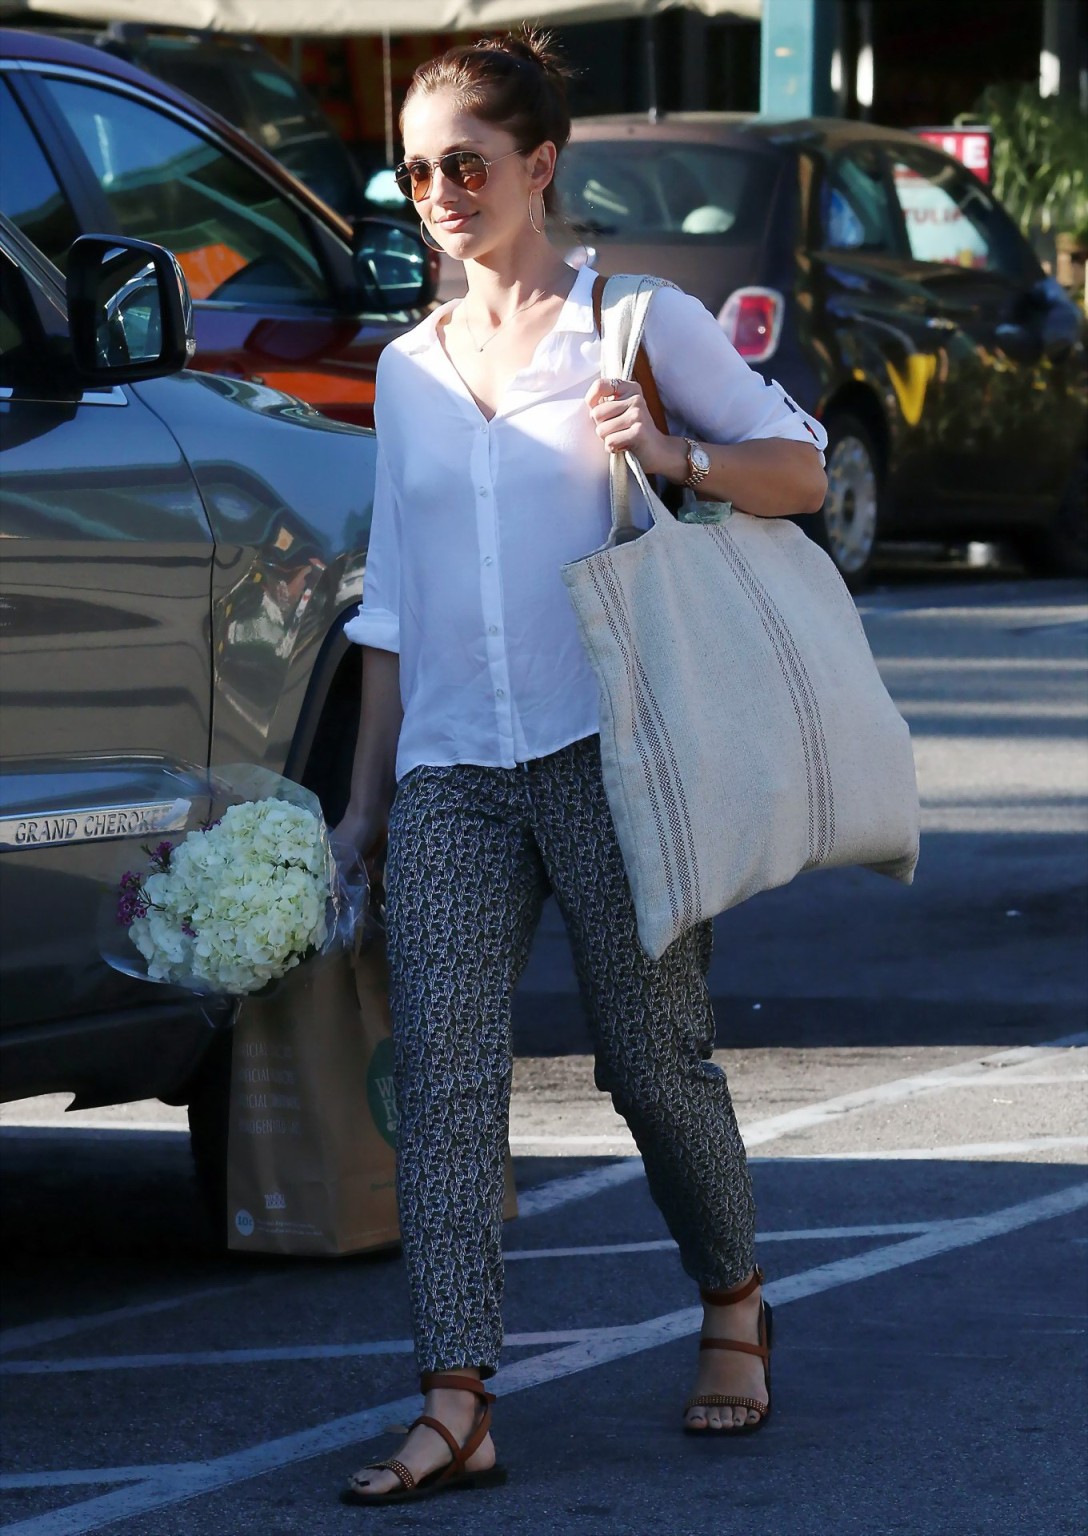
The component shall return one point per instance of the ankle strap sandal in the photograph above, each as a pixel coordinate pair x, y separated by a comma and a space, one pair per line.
455, 1473
762, 1350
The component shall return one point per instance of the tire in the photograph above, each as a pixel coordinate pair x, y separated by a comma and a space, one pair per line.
848, 523
209, 1123
1061, 548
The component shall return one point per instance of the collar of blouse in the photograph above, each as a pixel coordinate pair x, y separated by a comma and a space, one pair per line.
576, 315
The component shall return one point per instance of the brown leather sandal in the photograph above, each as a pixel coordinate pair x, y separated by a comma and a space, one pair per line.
454, 1474
762, 1349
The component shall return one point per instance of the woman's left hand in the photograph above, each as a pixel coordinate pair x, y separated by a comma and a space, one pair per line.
623, 423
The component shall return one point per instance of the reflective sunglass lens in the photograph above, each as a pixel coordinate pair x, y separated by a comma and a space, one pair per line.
414, 180
471, 170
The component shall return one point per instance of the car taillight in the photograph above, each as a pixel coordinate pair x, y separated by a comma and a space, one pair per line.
752, 319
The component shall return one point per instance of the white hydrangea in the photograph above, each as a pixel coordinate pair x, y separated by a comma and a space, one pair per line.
241, 903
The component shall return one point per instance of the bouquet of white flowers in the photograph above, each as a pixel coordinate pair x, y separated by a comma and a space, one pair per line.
241, 899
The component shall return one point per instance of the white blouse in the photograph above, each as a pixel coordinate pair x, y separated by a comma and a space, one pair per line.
473, 520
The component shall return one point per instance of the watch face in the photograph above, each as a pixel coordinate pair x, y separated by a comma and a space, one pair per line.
700, 460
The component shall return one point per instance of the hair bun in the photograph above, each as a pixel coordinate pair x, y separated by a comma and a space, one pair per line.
534, 46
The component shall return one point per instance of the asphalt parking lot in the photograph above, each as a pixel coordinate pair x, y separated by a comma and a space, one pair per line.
910, 1071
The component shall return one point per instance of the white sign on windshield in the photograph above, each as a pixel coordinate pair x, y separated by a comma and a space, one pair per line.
936, 227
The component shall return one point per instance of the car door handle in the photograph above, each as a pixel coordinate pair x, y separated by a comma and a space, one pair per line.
939, 323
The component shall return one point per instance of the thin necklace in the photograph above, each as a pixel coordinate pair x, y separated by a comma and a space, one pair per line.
480, 345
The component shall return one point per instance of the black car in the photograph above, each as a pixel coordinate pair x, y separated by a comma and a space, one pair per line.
884, 288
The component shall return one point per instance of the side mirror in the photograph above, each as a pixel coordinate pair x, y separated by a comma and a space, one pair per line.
130, 314
393, 267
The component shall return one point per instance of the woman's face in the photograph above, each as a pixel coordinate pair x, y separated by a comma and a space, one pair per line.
470, 225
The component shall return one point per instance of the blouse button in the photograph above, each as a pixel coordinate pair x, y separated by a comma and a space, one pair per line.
499, 694
492, 629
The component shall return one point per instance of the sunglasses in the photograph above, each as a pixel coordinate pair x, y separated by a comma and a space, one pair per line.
464, 167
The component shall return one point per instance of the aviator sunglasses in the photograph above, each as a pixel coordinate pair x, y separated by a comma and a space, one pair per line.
464, 167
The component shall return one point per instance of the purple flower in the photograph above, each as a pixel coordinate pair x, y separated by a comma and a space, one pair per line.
131, 905
188, 930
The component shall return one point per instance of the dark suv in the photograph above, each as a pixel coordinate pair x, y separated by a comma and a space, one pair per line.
181, 552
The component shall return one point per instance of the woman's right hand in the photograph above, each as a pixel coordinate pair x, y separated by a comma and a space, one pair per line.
358, 840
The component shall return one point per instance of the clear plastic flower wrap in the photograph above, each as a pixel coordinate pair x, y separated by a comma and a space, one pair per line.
246, 891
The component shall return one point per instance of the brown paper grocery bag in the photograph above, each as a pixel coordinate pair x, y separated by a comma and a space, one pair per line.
311, 1163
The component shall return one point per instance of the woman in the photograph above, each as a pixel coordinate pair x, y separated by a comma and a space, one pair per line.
480, 715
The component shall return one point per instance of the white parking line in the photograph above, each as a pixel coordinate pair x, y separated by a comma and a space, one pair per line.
797, 1235
579, 1186
96, 1363
188, 1480
989, 1069
965, 1150
93, 1363
31, 1335
98, 1128
76, 1477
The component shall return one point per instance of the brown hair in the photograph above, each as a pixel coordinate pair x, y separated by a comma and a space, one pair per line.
517, 82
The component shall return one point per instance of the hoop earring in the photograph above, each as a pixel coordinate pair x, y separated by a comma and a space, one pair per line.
543, 213
428, 243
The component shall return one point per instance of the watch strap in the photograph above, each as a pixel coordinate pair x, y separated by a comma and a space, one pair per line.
695, 476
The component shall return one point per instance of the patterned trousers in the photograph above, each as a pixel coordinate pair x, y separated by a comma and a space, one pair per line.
473, 853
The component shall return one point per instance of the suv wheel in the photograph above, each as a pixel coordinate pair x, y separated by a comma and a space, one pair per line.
1061, 548
209, 1121
848, 522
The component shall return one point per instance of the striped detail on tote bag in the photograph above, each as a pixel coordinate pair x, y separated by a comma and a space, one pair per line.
821, 798
660, 769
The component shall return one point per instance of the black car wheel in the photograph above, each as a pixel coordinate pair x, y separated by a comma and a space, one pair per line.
209, 1122
848, 522
1061, 548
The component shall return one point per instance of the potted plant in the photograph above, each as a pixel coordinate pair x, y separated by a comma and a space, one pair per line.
1040, 170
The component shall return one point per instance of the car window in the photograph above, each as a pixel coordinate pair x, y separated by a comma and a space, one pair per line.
278, 101
14, 328
33, 330
209, 82
645, 190
30, 193
952, 219
235, 237
856, 209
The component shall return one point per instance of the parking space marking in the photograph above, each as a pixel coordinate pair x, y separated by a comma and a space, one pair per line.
95, 1363
550, 1196
965, 1150
76, 1477
800, 1235
98, 1128
32, 1335
997, 1067
190, 1479
92, 1363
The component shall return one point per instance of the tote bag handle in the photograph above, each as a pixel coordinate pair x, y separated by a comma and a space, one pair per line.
625, 301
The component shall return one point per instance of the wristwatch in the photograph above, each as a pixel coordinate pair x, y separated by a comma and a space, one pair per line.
698, 464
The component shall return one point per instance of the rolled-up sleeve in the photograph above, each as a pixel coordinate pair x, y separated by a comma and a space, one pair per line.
377, 622
706, 386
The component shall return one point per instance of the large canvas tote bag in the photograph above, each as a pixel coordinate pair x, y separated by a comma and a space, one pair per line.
746, 734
